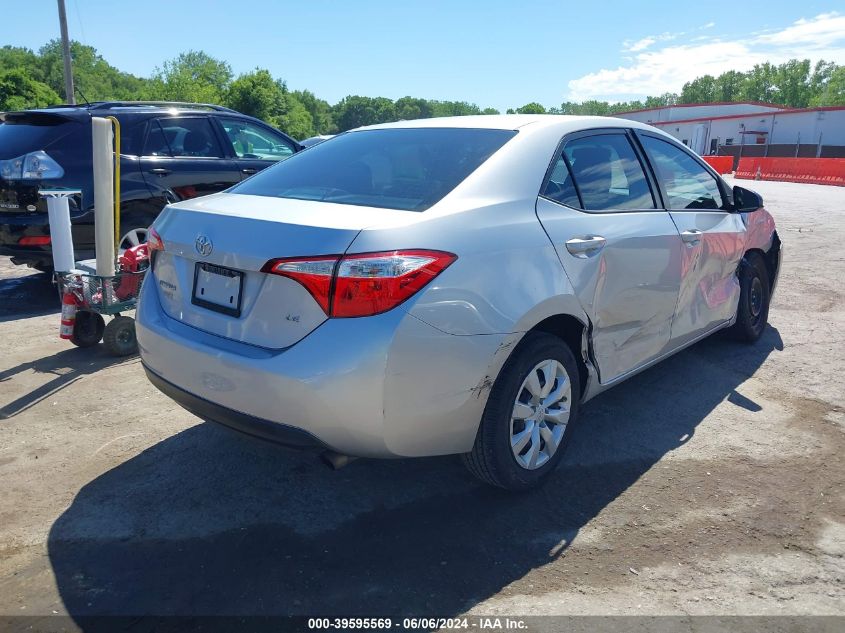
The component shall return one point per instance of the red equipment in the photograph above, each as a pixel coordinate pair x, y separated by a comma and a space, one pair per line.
69, 304
132, 260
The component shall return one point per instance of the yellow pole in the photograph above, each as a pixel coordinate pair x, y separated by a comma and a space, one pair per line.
116, 124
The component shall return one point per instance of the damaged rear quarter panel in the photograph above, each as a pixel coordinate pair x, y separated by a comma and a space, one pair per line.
436, 387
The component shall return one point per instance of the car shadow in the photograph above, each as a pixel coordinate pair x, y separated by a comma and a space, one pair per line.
66, 366
211, 522
26, 296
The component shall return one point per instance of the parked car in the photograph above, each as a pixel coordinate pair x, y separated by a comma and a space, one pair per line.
170, 152
315, 140
456, 285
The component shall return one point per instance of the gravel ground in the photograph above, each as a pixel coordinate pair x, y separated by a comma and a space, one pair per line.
710, 484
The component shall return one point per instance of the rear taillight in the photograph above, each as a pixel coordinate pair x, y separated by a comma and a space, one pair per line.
154, 241
34, 166
35, 240
315, 273
365, 284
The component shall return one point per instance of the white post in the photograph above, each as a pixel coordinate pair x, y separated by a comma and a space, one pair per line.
103, 138
61, 239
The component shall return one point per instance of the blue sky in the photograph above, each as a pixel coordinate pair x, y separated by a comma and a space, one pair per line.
493, 53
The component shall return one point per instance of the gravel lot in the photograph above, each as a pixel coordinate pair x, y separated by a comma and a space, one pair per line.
711, 484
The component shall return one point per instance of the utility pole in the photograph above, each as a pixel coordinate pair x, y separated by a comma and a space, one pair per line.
71, 99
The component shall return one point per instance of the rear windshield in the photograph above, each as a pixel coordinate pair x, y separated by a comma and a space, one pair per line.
20, 136
407, 169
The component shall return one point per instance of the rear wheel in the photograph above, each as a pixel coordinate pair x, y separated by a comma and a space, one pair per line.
87, 329
528, 418
133, 237
119, 337
752, 313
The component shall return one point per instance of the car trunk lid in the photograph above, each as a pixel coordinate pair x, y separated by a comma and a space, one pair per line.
206, 238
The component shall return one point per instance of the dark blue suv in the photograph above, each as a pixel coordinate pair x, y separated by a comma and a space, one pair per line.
169, 152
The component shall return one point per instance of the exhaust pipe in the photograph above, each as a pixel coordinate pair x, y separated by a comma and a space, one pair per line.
336, 461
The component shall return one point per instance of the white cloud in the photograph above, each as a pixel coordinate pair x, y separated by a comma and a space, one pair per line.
823, 30
639, 45
631, 46
667, 68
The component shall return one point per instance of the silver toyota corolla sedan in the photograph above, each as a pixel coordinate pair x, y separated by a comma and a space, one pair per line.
449, 286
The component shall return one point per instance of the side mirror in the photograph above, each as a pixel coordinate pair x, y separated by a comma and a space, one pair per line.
746, 200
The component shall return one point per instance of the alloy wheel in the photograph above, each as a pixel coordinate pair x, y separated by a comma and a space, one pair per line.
133, 238
540, 414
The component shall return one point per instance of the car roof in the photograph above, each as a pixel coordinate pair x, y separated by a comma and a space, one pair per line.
83, 112
512, 122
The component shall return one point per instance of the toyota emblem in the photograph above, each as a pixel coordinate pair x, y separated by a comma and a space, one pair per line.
204, 245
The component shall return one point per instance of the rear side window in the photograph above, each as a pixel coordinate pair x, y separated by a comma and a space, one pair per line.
688, 185
406, 169
607, 173
560, 187
186, 137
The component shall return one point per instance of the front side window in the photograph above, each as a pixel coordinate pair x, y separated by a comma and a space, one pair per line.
185, 137
252, 141
608, 174
398, 168
688, 185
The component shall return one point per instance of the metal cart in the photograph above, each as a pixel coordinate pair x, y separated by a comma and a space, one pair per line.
86, 298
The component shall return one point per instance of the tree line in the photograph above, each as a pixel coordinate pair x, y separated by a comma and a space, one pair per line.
30, 79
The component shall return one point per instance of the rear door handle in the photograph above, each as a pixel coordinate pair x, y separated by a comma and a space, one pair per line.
160, 171
248, 170
691, 237
584, 247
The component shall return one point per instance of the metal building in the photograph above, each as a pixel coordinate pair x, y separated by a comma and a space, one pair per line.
751, 129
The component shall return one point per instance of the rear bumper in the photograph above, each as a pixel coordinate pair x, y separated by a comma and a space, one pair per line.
251, 425
13, 227
383, 386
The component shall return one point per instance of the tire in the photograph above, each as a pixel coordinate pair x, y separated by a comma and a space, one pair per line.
752, 313
88, 329
119, 337
492, 459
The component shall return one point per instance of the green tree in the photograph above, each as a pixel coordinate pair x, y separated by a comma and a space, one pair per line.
833, 90
489, 111
729, 86
822, 73
590, 107
19, 92
531, 108
760, 83
18, 58
354, 111
792, 81
257, 94
195, 77
295, 120
320, 111
700, 90
410, 108
93, 76
666, 99
454, 108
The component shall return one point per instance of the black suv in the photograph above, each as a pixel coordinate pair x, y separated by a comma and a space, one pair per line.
169, 152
